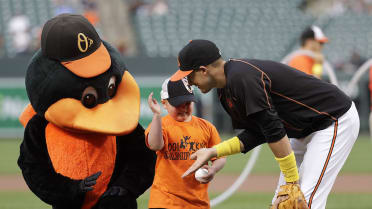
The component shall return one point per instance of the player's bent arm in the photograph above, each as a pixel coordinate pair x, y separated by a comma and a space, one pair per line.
274, 133
281, 148
228, 147
241, 143
155, 136
286, 159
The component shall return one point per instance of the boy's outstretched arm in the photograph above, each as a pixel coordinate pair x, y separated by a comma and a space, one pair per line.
155, 136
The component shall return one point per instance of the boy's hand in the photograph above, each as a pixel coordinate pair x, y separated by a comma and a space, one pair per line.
211, 172
153, 104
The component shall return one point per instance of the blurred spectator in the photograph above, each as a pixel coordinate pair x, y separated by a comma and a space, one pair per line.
312, 40
370, 102
36, 38
134, 5
19, 29
64, 6
351, 65
90, 11
160, 7
116, 25
147, 8
2, 46
336, 7
356, 59
122, 47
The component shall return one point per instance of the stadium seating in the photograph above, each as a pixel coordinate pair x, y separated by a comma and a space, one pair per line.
348, 32
260, 29
264, 29
38, 11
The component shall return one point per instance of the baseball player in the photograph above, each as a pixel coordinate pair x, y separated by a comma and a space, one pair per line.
312, 41
310, 125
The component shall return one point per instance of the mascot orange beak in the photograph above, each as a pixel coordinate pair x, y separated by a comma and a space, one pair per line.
118, 116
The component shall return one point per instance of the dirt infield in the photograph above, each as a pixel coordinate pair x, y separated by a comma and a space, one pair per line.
254, 183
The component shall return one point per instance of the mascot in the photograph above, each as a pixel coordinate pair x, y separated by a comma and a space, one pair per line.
82, 146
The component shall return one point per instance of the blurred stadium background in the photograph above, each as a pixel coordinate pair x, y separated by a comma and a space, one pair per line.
149, 34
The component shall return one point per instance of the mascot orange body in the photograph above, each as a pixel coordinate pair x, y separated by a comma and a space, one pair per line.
83, 146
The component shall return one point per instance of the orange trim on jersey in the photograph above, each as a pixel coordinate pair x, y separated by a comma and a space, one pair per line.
370, 84
290, 125
267, 96
325, 165
262, 74
313, 109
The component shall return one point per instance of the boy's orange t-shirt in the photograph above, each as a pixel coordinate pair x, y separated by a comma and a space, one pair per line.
181, 139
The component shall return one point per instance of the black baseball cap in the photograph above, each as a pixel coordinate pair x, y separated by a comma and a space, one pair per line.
315, 33
72, 40
195, 54
177, 92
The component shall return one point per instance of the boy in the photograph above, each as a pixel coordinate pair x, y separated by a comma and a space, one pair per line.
175, 137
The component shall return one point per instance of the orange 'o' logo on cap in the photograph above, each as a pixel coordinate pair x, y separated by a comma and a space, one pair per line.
87, 42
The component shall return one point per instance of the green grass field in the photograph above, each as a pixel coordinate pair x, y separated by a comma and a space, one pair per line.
359, 162
21, 200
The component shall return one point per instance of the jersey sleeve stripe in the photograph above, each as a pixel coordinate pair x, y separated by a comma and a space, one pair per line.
262, 77
313, 109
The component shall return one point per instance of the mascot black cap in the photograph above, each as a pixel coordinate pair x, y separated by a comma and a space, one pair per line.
73, 41
57, 83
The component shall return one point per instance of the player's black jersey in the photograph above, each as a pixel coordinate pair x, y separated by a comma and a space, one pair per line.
303, 103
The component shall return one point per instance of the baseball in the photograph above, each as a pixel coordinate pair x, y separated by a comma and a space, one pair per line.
200, 173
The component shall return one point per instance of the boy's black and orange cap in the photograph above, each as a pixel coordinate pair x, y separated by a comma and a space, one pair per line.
177, 92
195, 54
72, 40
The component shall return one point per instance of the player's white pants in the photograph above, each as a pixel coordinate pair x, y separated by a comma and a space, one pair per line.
321, 155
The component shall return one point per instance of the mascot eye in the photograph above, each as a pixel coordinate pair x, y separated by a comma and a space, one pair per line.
89, 98
111, 90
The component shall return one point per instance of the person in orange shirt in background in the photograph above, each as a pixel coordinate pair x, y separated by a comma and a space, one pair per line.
370, 101
175, 137
312, 41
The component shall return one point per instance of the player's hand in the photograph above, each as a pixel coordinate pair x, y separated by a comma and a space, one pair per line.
202, 156
87, 184
153, 104
211, 172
